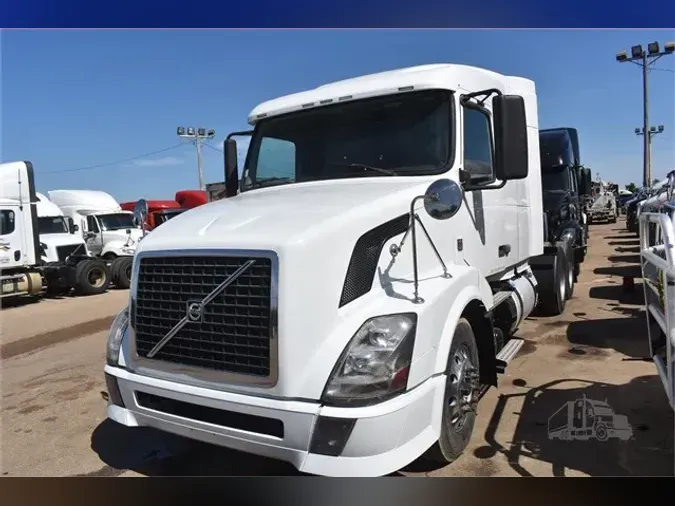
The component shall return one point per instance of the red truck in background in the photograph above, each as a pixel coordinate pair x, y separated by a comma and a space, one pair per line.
160, 211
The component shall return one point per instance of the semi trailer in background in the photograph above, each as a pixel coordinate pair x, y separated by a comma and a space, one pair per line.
39, 248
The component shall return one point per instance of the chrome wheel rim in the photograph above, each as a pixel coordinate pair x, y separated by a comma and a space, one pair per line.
463, 387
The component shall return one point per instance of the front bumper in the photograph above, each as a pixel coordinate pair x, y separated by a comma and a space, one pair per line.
384, 437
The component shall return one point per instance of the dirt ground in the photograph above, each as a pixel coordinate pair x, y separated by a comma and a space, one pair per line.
53, 414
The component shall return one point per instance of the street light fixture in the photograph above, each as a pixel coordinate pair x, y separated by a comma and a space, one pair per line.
196, 136
644, 59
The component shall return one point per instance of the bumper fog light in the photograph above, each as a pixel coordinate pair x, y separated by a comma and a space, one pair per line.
330, 435
113, 388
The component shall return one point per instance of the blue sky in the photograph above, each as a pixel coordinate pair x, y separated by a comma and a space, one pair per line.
74, 99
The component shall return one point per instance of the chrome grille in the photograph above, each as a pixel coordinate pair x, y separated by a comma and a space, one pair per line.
235, 331
64, 252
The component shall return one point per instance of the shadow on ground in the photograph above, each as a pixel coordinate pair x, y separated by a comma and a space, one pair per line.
150, 452
642, 401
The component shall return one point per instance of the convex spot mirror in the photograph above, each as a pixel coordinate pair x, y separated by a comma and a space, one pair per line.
443, 199
140, 212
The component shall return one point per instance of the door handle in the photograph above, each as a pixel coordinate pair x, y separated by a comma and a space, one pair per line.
504, 250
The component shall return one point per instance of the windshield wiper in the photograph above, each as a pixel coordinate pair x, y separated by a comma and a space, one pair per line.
363, 166
270, 181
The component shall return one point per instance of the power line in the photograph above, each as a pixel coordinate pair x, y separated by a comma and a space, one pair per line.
662, 69
117, 162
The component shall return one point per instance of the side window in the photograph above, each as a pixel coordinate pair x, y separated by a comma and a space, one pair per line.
92, 225
7, 224
478, 160
276, 159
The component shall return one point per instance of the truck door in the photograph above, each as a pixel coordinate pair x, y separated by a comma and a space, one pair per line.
12, 240
494, 213
93, 236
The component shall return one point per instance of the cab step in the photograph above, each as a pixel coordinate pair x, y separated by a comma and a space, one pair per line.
507, 353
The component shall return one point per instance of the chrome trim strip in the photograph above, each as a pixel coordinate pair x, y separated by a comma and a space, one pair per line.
217, 380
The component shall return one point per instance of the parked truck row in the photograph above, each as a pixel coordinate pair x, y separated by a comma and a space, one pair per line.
80, 240
345, 301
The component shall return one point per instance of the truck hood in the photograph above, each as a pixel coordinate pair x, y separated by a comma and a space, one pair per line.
121, 235
312, 228
54, 240
286, 216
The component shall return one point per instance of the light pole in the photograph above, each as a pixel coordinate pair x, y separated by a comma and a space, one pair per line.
197, 135
653, 130
644, 59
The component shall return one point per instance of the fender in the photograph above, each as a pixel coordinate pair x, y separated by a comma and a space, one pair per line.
460, 302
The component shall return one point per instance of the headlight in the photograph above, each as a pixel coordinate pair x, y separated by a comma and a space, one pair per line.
117, 330
375, 364
128, 251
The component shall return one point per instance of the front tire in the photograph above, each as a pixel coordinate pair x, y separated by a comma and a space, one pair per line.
461, 396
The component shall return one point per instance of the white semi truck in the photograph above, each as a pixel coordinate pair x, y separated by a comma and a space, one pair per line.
345, 303
38, 248
109, 231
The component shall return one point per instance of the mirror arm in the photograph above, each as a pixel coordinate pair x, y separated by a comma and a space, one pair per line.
395, 249
469, 188
483, 93
247, 132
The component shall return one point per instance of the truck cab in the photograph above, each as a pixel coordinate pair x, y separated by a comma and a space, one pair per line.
58, 237
342, 307
108, 230
159, 211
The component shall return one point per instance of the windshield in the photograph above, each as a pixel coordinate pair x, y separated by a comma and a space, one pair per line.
52, 225
162, 216
406, 134
117, 221
555, 180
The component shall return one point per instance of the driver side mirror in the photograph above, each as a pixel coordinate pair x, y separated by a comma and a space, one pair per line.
231, 167
510, 128
586, 181
72, 228
232, 163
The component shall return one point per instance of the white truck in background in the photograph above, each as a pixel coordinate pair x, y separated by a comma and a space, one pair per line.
109, 231
38, 248
603, 206
342, 308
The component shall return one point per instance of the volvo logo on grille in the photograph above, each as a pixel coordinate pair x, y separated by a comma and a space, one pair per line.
194, 311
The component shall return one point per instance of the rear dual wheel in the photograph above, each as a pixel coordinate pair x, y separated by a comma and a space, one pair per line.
121, 271
92, 277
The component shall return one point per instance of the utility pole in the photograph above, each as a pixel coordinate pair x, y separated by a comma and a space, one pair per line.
648, 136
196, 136
644, 59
